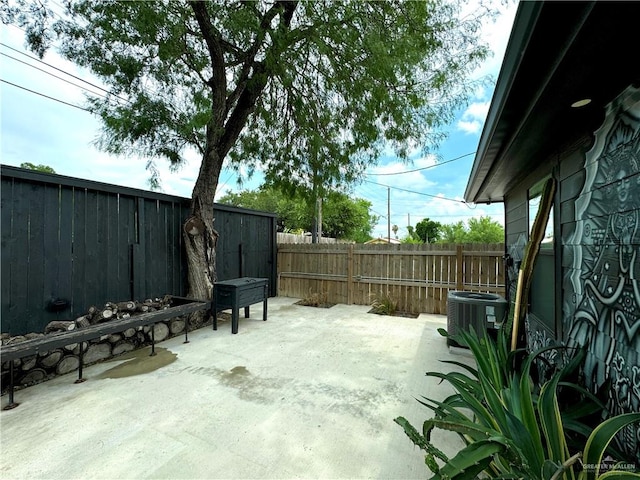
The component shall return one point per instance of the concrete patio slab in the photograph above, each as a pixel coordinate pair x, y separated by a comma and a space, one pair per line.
311, 393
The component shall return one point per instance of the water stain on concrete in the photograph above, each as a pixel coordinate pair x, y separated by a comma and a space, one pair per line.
237, 377
235, 372
139, 362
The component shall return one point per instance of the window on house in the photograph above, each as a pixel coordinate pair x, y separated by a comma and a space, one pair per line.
535, 196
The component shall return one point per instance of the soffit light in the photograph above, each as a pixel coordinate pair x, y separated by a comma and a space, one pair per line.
581, 103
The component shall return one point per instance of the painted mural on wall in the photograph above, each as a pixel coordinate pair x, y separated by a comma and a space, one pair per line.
604, 305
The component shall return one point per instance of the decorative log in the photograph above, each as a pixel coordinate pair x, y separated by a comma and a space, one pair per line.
114, 338
97, 352
16, 364
160, 331
60, 326
129, 332
92, 311
31, 336
71, 347
16, 339
122, 347
111, 306
29, 362
4, 337
68, 364
176, 326
102, 316
140, 337
83, 346
127, 306
83, 321
124, 315
33, 376
51, 359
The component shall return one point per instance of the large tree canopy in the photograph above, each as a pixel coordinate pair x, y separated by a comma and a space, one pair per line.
309, 92
478, 230
343, 217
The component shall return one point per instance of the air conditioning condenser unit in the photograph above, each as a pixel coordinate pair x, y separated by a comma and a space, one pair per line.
484, 311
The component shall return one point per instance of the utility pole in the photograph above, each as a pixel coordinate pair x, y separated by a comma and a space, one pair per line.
319, 201
389, 214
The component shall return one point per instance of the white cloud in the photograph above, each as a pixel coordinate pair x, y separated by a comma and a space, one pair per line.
470, 127
495, 33
473, 117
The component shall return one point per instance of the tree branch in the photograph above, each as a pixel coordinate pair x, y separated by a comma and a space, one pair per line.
254, 76
218, 82
286, 8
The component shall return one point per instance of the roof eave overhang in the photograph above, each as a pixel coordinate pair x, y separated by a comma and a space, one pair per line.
524, 24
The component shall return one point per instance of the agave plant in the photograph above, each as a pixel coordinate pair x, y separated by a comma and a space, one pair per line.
511, 428
383, 304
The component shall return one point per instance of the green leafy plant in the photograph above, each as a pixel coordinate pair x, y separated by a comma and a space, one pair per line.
510, 427
383, 304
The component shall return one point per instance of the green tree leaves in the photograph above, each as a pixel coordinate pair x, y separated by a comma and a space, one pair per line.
38, 168
477, 230
428, 231
342, 216
484, 230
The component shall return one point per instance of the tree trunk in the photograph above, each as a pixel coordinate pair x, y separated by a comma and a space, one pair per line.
200, 243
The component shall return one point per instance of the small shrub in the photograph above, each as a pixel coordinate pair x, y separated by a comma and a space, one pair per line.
314, 299
383, 304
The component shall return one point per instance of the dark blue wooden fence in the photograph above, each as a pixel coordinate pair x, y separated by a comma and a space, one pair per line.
69, 243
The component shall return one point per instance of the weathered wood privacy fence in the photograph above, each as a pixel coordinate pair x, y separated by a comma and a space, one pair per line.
418, 277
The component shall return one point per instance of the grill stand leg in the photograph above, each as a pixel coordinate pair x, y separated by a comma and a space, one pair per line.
186, 329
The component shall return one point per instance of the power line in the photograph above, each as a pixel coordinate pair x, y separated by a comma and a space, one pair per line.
63, 71
52, 74
417, 193
423, 168
45, 96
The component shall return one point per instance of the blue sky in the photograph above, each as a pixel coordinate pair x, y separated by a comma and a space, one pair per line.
42, 131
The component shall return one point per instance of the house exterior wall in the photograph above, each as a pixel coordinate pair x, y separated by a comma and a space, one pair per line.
597, 211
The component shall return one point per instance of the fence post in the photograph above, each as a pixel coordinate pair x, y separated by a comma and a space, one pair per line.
459, 268
350, 274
